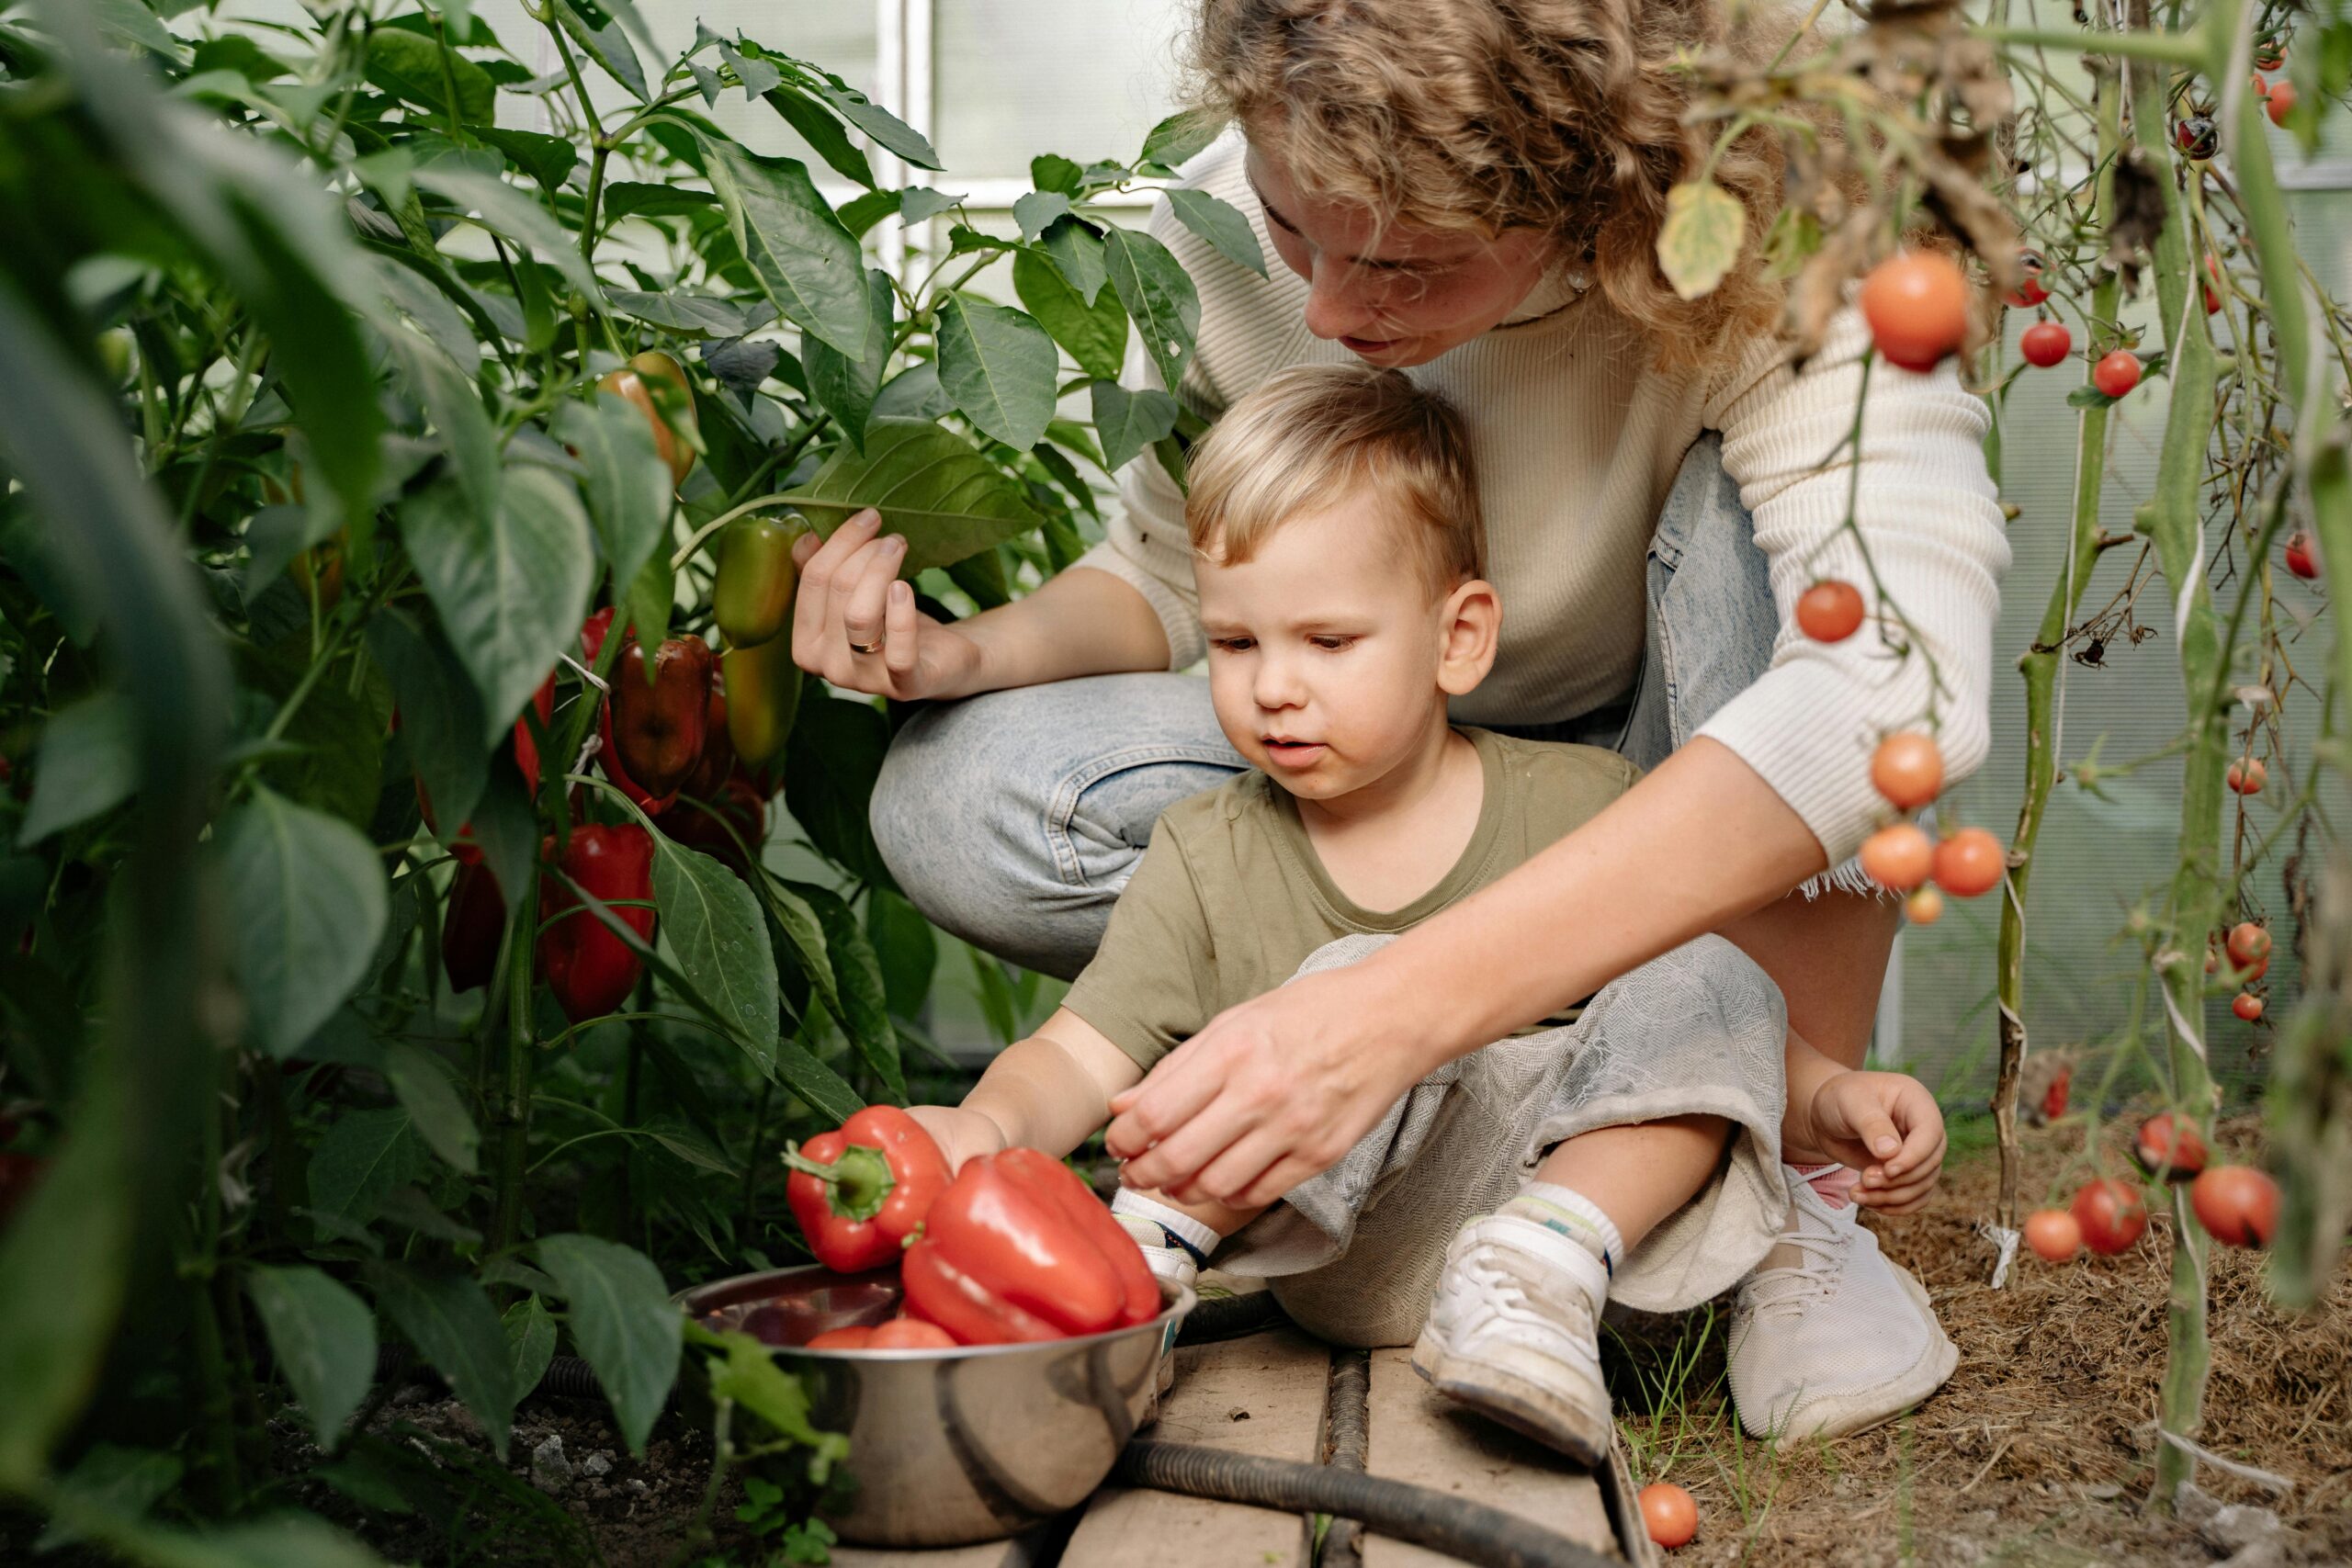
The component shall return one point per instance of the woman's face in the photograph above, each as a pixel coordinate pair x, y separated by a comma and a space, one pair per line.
1393, 295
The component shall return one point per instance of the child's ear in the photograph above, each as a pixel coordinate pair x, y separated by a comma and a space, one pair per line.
1469, 623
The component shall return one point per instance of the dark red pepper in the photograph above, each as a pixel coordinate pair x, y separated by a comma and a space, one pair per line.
860, 1191
526, 750
660, 725
738, 807
1018, 1248
709, 781
593, 632
472, 924
591, 970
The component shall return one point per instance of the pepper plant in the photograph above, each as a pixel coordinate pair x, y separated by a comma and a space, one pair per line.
392, 962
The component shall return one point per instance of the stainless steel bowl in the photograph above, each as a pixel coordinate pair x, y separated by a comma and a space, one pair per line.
951, 1446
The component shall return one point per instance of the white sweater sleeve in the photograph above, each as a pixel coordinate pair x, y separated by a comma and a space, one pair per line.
1926, 510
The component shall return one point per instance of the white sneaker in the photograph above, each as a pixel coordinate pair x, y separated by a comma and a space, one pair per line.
1843, 1340
1513, 1333
1167, 1258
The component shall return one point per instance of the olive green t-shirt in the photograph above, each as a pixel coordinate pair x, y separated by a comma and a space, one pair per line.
1230, 898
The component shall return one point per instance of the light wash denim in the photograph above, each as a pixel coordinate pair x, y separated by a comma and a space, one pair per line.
1014, 819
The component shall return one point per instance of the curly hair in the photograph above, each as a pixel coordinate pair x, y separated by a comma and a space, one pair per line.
1564, 116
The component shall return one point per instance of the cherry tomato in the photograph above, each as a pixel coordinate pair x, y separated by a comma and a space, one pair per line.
2196, 137
911, 1333
1897, 857
1916, 304
2054, 1235
2112, 1215
2237, 1204
2170, 1142
2282, 103
1671, 1514
1924, 908
2300, 559
2247, 1006
2261, 87
2117, 373
845, 1339
1968, 862
2030, 293
2270, 56
2054, 1099
2249, 943
1830, 611
2213, 271
2045, 343
2248, 775
1907, 769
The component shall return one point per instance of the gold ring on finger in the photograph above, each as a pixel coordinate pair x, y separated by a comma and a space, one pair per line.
865, 648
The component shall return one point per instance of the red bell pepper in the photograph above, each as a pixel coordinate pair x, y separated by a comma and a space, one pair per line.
593, 632
526, 750
472, 924
660, 723
709, 780
739, 808
860, 1191
1018, 1248
591, 970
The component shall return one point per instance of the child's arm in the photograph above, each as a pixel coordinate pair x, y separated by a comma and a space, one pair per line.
1886, 1126
1047, 1092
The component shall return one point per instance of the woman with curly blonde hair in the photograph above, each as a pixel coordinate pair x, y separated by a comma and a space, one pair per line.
1471, 191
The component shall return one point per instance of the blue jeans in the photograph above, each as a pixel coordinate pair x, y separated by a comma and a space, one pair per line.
1014, 819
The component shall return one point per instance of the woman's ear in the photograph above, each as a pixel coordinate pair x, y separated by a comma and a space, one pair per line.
1470, 622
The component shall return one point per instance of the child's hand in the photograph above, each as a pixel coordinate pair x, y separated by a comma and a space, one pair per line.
961, 1134
1886, 1126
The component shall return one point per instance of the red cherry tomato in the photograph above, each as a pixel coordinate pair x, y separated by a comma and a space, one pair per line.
2248, 943
2247, 1006
1671, 1514
1830, 611
2282, 103
1897, 857
1916, 304
2117, 373
2030, 293
2248, 775
1924, 908
2054, 1235
1907, 769
2112, 1215
2270, 56
2170, 1142
2054, 1099
2301, 560
843, 1339
2261, 87
2237, 1204
1968, 862
2213, 271
911, 1333
2045, 343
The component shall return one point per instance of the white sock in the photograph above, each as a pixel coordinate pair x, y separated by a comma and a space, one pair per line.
1180, 1227
1573, 1215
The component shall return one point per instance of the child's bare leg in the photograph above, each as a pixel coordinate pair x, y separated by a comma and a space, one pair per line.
1635, 1175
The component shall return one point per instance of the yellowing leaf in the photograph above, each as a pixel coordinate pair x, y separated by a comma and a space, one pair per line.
1700, 239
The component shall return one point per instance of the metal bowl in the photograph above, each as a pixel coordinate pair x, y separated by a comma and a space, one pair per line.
952, 1447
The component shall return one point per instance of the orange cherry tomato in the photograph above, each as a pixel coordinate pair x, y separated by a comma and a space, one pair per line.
1916, 304
2247, 1006
911, 1333
1898, 857
2112, 1214
2282, 102
1968, 862
2117, 372
859, 1338
2237, 1204
2045, 343
2301, 559
2249, 943
1907, 769
1671, 1514
2248, 775
2054, 1235
1830, 611
2170, 1142
1924, 908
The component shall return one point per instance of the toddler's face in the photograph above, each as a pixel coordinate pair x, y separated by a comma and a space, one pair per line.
1327, 649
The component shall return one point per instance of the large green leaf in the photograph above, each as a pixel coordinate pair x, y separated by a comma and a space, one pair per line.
362, 1158
859, 1003
84, 766
1129, 422
710, 922
450, 1321
412, 69
628, 484
623, 1321
531, 1344
440, 715
820, 128
1180, 136
874, 120
1095, 336
432, 1103
323, 1339
1077, 249
806, 262
336, 735
844, 385
930, 485
603, 42
905, 947
512, 213
455, 406
547, 159
123, 1483
512, 585
307, 904
1219, 222
276, 1540
829, 766
1157, 293
1000, 366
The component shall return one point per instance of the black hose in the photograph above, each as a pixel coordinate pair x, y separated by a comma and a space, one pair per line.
1456, 1525
1231, 1317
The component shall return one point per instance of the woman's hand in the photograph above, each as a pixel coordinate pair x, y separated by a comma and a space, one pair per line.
1886, 1126
1271, 1092
961, 1134
851, 598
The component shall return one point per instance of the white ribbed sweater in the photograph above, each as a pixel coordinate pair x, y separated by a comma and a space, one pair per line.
1577, 438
